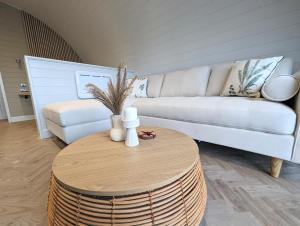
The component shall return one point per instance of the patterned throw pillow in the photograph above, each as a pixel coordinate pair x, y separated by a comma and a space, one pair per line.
247, 77
139, 87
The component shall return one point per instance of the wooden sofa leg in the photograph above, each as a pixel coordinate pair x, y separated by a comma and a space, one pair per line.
275, 166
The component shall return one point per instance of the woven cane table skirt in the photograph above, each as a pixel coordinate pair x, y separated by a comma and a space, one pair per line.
179, 202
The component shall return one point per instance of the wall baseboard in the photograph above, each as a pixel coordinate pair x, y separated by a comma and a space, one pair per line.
21, 118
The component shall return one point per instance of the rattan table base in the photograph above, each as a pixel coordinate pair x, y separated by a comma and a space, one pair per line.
180, 203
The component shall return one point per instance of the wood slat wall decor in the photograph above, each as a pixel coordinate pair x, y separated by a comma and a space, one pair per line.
43, 41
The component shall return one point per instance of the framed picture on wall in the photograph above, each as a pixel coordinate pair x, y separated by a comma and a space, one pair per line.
85, 77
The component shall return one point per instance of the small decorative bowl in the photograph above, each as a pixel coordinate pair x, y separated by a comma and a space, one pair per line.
146, 135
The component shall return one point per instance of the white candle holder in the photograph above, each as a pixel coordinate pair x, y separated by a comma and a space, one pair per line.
131, 134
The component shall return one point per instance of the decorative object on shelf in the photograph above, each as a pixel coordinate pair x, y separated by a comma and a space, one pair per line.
24, 91
146, 135
114, 99
23, 87
130, 122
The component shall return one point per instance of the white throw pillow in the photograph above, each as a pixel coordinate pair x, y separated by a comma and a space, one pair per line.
248, 76
280, 88
139, 87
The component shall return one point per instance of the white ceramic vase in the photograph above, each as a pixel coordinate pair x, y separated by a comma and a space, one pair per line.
117, 132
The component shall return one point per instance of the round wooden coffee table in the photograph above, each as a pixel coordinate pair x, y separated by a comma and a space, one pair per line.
96, 181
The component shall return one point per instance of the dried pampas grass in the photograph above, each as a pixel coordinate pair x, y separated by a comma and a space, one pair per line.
116, 94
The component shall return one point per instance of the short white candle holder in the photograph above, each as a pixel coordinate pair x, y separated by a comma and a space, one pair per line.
131, 134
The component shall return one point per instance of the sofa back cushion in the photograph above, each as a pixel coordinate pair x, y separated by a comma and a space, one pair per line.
217, 79
190, 82
154, 84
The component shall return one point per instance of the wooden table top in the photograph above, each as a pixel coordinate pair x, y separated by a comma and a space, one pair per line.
95, 165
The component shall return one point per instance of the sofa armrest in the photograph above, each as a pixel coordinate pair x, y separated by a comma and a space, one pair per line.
296, 107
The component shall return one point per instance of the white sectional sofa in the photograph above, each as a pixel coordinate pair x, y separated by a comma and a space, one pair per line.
189, 101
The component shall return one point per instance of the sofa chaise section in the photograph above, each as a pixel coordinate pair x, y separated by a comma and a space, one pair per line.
71, 120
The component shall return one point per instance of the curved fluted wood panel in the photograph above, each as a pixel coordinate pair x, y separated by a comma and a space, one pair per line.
45, 42
180, 203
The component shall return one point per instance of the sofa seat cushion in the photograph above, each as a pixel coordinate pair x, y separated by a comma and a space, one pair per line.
75, 112
235, 112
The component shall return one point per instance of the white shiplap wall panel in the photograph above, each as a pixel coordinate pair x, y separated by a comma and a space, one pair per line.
268, 22
47, 81
214, 35
55, 90
163, 35
54, 81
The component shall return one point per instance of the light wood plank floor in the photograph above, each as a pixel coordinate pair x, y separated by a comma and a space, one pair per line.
240, 191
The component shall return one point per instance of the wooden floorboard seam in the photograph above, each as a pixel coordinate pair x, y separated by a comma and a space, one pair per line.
240, 192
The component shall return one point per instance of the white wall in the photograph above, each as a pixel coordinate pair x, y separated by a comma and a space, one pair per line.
13, 45
54, 81
162, 35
